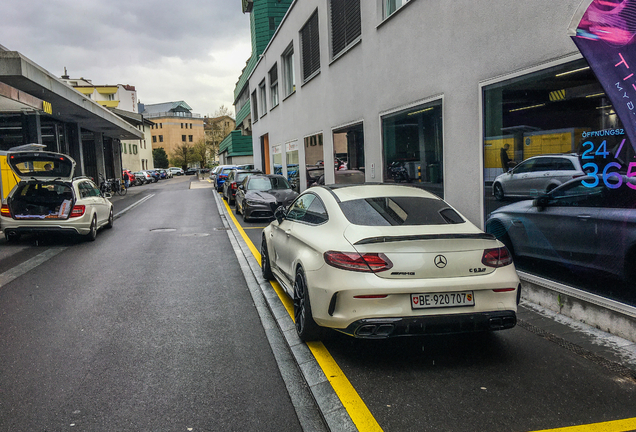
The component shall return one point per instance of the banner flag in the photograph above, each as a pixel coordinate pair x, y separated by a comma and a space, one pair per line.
604, 30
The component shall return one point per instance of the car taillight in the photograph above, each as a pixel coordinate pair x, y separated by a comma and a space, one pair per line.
78, 211
366, 262
234, 186
5, 211
498, 257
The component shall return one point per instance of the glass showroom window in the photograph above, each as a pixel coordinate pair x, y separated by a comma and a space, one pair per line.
413, 147
289, 79
345, 24
314, 159
390, 6
277, 159
348, 148
273, 85
291, 157
310, 48
560, 179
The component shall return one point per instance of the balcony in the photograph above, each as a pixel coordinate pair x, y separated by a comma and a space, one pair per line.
171, 114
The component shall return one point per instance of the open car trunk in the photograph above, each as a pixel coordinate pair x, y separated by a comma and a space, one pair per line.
42, 200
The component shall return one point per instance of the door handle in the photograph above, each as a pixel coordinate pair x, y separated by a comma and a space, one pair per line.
584, 216
288, 232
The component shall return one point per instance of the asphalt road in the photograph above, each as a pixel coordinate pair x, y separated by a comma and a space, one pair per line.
150, 327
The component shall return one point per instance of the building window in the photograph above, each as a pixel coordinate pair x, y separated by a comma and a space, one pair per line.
413, 148
348, 152
272, 24
161, 125
346, 26
273, 85
314, 158
190, 137
123, 147
160, 138
183, 138
262, 98
181, 125
243, 98
130, 148
254, 107
287, 63
310, 48
134, 148
390, 6
154, 138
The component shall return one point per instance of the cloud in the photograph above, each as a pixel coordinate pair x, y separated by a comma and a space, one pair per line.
192, 51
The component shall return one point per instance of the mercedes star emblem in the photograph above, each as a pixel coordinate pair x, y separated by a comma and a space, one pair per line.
440, 261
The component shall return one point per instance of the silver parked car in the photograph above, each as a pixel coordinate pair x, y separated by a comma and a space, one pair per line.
537, 175
592, 227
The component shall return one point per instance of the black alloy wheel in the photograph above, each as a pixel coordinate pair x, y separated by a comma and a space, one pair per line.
111, 219
266, 267
92, 235
306, 327
498, 191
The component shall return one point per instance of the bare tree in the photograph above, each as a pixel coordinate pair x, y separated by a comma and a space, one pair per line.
183, 154
201, 152
217, 128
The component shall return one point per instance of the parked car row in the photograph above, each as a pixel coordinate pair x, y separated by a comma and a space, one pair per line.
143, 177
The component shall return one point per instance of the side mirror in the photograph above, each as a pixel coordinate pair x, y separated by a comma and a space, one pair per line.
279, 214
540, 203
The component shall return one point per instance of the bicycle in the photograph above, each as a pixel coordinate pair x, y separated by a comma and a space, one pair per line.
118, 187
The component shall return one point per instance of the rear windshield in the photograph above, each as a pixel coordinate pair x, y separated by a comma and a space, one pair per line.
46, 166
387, 211
267, 183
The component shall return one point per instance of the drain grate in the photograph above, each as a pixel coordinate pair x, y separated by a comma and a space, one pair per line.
588, 355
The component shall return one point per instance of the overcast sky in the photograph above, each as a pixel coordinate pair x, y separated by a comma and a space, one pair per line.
190, 50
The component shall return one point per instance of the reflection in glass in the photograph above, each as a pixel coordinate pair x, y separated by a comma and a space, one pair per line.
348, 145
547, 129
314, 159
413, 147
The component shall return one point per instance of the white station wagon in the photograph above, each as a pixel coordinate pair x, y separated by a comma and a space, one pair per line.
48, 199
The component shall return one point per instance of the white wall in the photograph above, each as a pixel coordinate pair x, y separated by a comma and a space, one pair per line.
427, 50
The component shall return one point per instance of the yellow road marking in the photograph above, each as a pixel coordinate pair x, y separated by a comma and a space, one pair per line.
610, 426
351, 400
353, 403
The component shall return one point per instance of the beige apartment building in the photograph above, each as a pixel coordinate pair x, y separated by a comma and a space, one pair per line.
174, 125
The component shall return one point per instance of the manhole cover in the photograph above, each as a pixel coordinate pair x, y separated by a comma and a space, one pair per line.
163, 230
195, 235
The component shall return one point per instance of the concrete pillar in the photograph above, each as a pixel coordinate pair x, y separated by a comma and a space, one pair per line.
75, 147
99, 155
31, 128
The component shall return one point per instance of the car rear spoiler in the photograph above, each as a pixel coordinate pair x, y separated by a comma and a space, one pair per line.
387, 239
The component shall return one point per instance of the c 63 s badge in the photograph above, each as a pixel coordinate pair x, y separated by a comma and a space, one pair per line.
402, 273
477, 270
